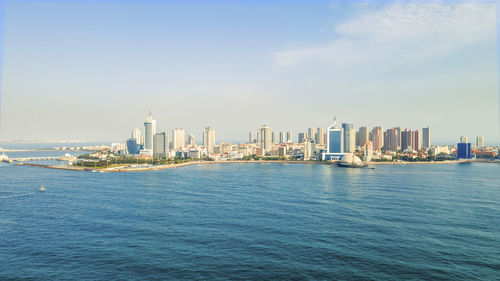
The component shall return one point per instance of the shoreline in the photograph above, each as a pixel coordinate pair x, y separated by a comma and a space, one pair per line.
146, 167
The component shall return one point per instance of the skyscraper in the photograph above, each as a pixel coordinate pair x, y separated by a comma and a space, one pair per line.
377, 138
136, 134
311, 134
391, 137
149, 132
480, 141
415, 140
426, 137
160, 145
320, 136
275, 138
282, 137
289, 137
335, 138
364, 136
349, 137
191, 140
266, 135
398, 132
464, 139
178, 138
302, 137
406, 140
250, 137
209, 139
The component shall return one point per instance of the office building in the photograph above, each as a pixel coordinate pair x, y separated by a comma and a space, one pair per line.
209, 139
282, 137
464, 151
132, 146
464, 139
363, 136
302, 137
191, 140
289, 138
311, 134
149, 132
275, 137
178, 138
426, 137
266, 142
136, 134
334, 142
320, 136
160, 145
349, 137
480, 141
251, 138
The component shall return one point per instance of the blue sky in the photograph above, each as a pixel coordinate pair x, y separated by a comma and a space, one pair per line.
92, 70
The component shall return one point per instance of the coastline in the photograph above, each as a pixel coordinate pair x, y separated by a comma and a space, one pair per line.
143, 167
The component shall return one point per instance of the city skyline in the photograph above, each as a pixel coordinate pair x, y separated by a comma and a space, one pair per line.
85, 71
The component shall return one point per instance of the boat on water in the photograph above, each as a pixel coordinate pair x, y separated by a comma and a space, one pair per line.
351, 161
42, 189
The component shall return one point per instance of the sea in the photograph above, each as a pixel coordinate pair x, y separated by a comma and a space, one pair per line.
258, 221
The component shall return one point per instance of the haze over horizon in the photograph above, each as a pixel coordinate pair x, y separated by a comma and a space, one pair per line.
93, 70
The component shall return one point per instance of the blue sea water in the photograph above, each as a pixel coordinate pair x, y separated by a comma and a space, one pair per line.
252, 221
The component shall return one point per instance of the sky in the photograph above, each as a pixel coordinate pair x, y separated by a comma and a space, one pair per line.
92, 70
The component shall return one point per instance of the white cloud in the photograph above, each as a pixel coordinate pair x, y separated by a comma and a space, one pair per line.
405, 32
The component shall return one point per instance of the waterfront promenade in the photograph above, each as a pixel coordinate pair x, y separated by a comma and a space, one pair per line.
148, 167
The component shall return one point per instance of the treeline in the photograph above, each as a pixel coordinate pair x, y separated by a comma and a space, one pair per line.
118, 160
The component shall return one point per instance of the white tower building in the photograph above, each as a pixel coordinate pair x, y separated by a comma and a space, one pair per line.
209, 139
149, 132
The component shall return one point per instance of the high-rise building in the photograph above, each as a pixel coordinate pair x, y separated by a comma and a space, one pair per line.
302, 137
282, 137
160, 145
136, 134
426, 137
377, 138
275, 137
320, 136
335, 138
307, 149
398, 133
391, 137
209, 139
364, 136
311, 134
464, 151
480, 141
349, 137
149, 132
132, 146
289, 137
406, 140
266, 142
251, 137
191, 140
178, 138
464, 139
415, 140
